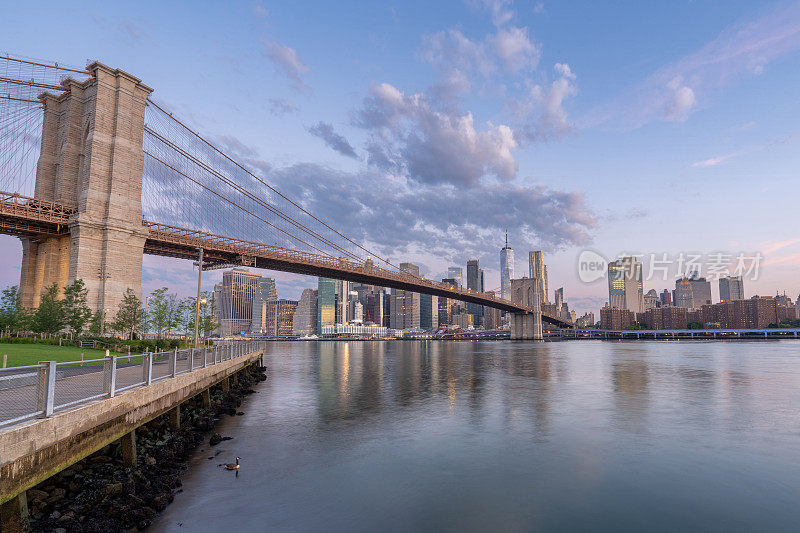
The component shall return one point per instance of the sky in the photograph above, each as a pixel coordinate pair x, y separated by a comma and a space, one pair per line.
622, 128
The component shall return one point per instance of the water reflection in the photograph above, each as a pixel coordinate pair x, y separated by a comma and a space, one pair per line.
476, 436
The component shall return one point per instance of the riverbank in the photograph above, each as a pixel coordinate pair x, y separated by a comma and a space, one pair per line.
100, 493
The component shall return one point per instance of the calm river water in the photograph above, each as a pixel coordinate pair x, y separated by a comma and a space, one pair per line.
508, 436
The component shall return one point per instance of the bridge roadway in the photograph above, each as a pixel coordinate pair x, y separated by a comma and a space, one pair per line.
23, 216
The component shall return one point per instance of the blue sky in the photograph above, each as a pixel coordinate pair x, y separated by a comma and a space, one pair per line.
626, 127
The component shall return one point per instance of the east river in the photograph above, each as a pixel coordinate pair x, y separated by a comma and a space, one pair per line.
508, 436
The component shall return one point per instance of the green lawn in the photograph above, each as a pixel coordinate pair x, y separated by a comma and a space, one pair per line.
30, 354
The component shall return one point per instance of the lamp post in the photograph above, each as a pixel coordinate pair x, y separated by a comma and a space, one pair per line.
197, 302
144, 322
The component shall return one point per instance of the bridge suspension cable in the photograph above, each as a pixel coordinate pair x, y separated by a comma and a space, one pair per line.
279, 194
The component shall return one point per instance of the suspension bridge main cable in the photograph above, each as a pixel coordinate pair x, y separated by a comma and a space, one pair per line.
233, 203
220, 152
248, 194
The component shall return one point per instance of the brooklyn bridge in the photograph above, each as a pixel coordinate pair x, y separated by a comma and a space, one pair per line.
94, 174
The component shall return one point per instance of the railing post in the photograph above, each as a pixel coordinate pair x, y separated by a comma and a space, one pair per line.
173, 363
110, 375
147, 368
191, 359
46, 390
205, 356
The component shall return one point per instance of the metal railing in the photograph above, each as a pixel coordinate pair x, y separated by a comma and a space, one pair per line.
49, 387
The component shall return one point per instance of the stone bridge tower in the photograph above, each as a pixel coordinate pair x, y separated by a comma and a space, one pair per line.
527, 292
91, 159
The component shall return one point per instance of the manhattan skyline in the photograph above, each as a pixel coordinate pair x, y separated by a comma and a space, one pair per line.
474, 117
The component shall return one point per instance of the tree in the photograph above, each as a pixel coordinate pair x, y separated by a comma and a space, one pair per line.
76, 312
49, 317
12, 315
208, 315
163, 311
95, 322
129, 315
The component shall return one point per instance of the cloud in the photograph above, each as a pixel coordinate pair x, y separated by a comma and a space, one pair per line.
401, 216
433, 146
260, 10
539, 8
681, 101
713, 161
332, 139
743, 48
500, 10
509, 50
279, 107
288, 62
541, 113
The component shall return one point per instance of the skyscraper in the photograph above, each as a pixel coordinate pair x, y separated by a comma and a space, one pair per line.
456, 273
692, 292
266, 294
625, 288
506, 270
474, 283
537, 269
235, 301
428, 311
731, 288
326, 303
304, 321
404, 306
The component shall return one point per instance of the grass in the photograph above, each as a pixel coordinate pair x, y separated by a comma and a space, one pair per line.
31, 354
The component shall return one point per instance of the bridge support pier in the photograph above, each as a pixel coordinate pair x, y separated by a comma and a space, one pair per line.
175, 417
207, 398
526, 326
226, 385
128, 444
14, 514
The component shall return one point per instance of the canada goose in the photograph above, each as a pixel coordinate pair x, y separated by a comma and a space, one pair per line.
233, 466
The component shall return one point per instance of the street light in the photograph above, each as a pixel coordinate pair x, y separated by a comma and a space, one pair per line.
103, 275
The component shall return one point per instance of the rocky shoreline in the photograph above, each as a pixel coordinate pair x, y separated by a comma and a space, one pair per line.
101, 494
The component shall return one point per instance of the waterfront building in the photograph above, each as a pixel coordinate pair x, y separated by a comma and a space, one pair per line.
666, 298
456, 273
615, 318
463, 320
305, 317
559, 301
667, 317
585, 321
651, 300
492, 318
405, 305
235, 301
506, 270
537, 269
731, 288
342, 301
428, 311
326, 303
266, 293
355, 330
280, 318
692, 292
474, 283
625, 288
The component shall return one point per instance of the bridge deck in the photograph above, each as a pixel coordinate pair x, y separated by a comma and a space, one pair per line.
28, 216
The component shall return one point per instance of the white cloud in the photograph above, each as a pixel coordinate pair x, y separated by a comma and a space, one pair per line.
542, 113
681, 101
288, 62
433, 146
